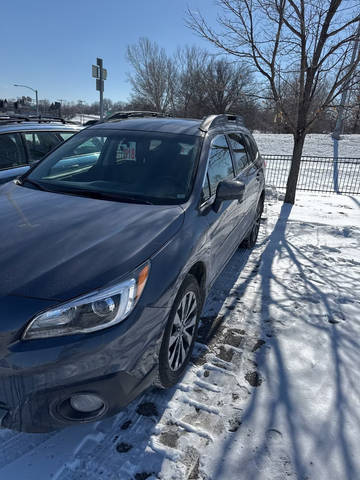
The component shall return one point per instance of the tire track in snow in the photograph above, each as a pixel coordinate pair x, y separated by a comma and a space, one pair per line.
19, 444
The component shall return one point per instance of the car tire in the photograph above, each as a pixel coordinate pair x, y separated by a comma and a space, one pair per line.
250, 240
180, 334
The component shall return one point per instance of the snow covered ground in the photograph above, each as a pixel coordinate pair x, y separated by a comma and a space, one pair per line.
316, 144
315, 174
273, 391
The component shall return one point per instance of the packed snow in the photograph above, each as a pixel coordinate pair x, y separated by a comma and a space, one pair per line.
274, 386
316, 144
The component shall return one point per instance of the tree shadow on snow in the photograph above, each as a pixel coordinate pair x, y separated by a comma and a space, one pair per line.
355, 200
322, 314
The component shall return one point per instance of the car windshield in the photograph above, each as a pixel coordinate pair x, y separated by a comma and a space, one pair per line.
144, 167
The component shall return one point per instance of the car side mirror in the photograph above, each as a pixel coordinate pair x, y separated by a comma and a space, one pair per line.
228, 190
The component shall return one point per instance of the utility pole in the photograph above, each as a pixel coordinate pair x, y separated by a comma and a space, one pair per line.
81, 102
100, 74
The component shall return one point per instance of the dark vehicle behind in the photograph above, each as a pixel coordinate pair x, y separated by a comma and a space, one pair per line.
24, 141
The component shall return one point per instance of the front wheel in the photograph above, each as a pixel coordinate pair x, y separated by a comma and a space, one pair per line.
250, 240
180, 333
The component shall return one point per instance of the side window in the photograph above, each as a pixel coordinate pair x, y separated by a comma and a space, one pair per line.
154, 144
206, 189
91, 146
11, 151
252, 147
220, 163
40, 143
238, 146
65, 135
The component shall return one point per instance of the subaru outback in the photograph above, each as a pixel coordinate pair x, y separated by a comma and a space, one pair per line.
105, 265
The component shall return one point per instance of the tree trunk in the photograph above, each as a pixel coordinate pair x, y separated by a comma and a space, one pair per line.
356, 121
299, 139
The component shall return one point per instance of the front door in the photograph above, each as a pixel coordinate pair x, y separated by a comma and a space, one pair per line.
222, 230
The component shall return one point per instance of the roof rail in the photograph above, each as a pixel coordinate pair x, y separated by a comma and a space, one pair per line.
134, 113
32, 118
12, 119
92, 121
213, 121
49, 118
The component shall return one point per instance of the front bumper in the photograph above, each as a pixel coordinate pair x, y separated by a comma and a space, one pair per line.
38, 376
48, 410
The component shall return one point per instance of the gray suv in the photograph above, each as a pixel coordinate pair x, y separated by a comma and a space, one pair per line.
25, 140
127, 225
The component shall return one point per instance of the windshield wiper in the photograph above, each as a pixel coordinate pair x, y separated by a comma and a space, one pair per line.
31, 182
87, 193
103, 195
125, 198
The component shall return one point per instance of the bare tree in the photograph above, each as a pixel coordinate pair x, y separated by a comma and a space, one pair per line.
208, 85
190, 92
154, 74
356, 115
352, 125
309, 40
225, 84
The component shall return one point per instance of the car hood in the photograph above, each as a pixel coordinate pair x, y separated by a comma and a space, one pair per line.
56, 246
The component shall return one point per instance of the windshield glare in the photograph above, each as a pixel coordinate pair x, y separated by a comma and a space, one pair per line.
152, 166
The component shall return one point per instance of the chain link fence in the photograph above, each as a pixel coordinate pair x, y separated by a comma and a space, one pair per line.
317, 174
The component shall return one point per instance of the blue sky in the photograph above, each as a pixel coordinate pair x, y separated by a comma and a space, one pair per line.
51, 44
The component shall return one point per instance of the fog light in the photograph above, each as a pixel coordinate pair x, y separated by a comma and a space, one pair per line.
86, 402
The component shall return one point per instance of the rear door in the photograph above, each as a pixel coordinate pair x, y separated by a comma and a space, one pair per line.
246, 171
38, 144
12, 157
255, 174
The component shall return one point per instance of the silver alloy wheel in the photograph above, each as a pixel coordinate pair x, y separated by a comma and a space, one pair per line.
182, 331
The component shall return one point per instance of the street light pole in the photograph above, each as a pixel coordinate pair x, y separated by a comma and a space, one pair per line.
36, 96
81, 102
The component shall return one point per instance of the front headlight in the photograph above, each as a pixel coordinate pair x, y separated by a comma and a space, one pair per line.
90, 312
